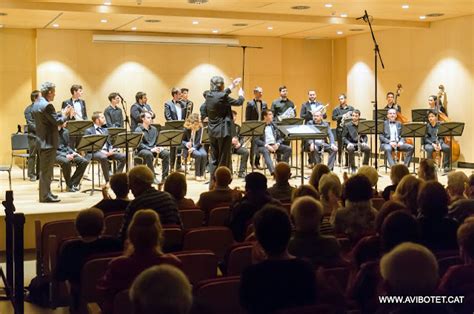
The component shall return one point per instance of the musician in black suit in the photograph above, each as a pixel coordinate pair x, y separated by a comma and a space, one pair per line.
47, 122
221, 122
354, 142
107, 152
253, 112
138, 108
391, 140
192, 145
79, 105
33, 143
272, 142
311, 106
175, 111
188, 105
65, 156
433, 142
238, 147
148, 150
391, 102
283, 107
316, 146
340, 113
113, 114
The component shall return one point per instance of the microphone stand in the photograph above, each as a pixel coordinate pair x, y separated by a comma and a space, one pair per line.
127, 126
377, 57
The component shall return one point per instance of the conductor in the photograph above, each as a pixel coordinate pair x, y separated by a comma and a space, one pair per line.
221, 123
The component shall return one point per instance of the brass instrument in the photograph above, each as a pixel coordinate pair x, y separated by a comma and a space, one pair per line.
189, 109
321, 109
287, 114
346, 116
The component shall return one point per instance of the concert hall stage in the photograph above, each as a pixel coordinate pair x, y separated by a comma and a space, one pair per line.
26, 198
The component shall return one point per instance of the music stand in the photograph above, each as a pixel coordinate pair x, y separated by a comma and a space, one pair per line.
157, 126
414, 129
171, 138
113, 133
133, 138
252, 129
173, 125
90, 143
451, 129
419, 115
292, 121
381, 115
76, 129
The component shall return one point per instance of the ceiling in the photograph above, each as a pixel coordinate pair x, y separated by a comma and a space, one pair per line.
274, 18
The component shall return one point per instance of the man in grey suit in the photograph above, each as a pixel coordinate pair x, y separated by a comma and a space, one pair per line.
221, 122
33, 143
47, 122
175, 111
391, 140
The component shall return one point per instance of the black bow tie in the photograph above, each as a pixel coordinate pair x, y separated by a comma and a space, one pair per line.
392, 122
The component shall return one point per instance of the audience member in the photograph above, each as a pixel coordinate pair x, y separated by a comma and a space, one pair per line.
438, 232
119, 185
330, 188
281, 281
73, 254
407, 193
161, 289
371, 174
307, 241
316, 175
175, 184
397, 172
357, 217
305, 190
145, 239
427, 170
282, 189
457, 181
242, 211
140, 179
463, 208
398, 227
221, 195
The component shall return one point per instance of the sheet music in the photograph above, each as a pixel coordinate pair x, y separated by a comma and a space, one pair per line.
300, 129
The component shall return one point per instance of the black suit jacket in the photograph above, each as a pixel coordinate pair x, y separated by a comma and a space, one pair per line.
64, 148
276, 133
83, 107
171, 113
251, 111
47, 122
218, 106
306, 113
385, 136
431, 135
135, 112
350, 134
92, 131
30, 121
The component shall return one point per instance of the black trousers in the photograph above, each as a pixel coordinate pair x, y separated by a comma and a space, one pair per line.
221, 153
47, 159
104, 162
33, 160
81, 165
149, 158
244, 157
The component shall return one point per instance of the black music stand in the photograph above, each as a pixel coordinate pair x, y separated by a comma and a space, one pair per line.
76, 129
367, 127
90, 143
413, 129
252, 129
133, 138
173, 125
451, 129
113, 133
171, 138
419, 115
381, 115
157, 126
293, 121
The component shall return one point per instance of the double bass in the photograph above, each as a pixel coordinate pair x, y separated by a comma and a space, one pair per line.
442, 117
400, 117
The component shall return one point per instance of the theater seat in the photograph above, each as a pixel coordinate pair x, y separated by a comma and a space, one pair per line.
238, 257
216, 239
122, 304
112, 224
173, 238
191, 218
220, 295
198, 265
219, 216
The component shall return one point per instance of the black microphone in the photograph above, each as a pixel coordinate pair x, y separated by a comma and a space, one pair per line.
363, 17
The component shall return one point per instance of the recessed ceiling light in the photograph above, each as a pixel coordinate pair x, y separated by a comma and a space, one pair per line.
1, 25
339, 32
422, 17
55, 25
134, 28
343, 15
215, 31
301, 7
240, 24
152, 21
270, 28
107, 3
328, 5
103, 21
405, 6
195, 22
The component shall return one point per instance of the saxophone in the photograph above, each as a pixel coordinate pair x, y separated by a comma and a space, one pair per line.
287, 114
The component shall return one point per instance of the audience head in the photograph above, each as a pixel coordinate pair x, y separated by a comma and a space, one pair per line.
469, 188
161, 289
357, 189
304, 190
175, 184
409, 269
145, 232
307, 214
255, 183
273, 230
398, 227
140, 178
427, 170
330, 188
433, 200
90, 222
223, 176
397, 172
457, 181
370, 173
407, 192
282, 172
466, 240
387, 208
119, 184
317, 173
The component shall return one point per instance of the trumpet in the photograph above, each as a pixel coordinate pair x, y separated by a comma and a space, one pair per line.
289, 113
345, 117
321, 109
